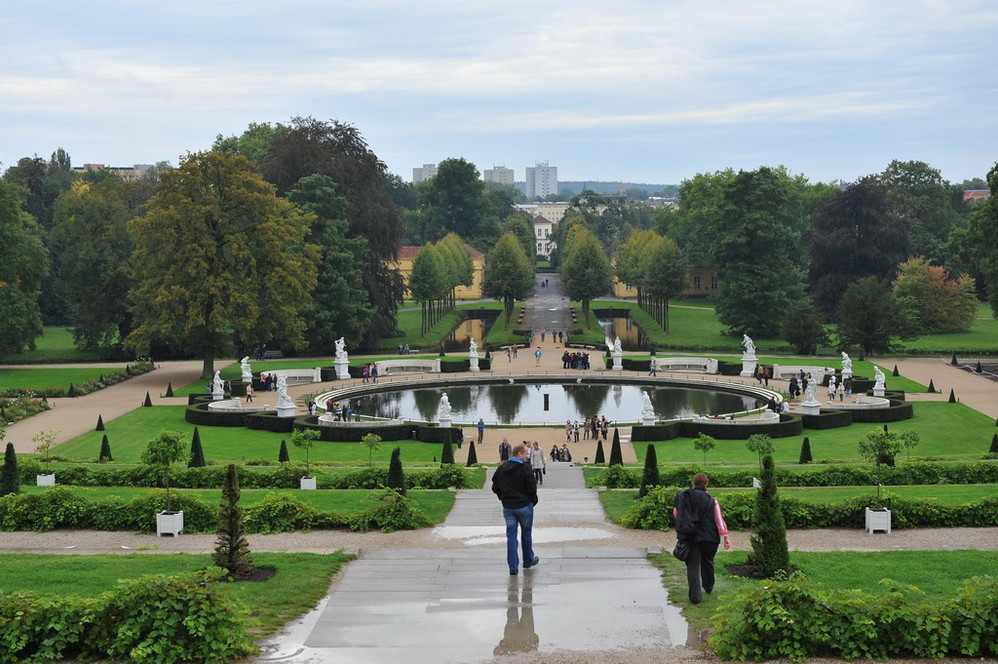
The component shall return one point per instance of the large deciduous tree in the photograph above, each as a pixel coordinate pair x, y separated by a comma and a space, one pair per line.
340, 305
586, 273
978, 243
918, 193
933, 301
92, 240
338, 150
23, 265
219, 259
856, 234
870, 317
509, 276
454, 199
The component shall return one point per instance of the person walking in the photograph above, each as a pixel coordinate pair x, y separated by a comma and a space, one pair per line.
249, 392
537, 357
537, 463
704, 512
481, 430
514, 484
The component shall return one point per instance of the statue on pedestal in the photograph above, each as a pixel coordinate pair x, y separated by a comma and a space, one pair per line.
341, 349
846, 364
749, 345
473, 348
247, 371
444, 411
616, 346
218, 385
647, 410
283, 400
881, 379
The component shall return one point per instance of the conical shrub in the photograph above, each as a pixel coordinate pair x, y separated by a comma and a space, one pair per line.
148, 402
10, 479
994, 444
396, 476
282, 456
979, 368
651, 476
805, 451
197, 454
232, 552
616, 456
770, 553
105, 450
100, 423
932, 387
169, 390
599, 458
953, 360
447, 455
896, 372
952, 395
472, 455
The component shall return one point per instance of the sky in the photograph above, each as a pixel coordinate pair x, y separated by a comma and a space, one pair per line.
629, 90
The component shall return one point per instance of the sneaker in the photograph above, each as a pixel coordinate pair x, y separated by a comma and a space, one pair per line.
513, 572
533, 563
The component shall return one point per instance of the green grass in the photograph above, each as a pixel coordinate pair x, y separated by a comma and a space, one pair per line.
43, 379
302, 579
434, 504
130, 433
947, 430
54, 345
939, 574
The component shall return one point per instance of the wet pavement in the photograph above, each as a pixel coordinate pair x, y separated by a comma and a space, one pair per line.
462, 605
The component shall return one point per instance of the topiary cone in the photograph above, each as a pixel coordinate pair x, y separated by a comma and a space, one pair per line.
472, 455
100, 423
148, 401
169, 389
105, 450
952, 396
994, 444
953, 360
896, 372
979, 369
932, 387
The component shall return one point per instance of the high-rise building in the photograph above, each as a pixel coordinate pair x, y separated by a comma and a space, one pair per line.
427, 172
542, 180
499, 174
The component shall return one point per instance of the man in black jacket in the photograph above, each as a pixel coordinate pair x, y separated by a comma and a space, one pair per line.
514, 483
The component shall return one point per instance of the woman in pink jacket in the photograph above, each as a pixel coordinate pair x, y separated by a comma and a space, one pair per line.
710, 531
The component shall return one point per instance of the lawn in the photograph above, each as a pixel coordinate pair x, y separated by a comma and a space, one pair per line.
44, 379
129, 434
54, 345
302, 579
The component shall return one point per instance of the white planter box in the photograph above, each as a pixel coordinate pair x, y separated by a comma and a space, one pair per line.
878, 519
171, 523
45, 480
308, 483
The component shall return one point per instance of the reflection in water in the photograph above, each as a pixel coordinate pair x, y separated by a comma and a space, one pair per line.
523, 404
460, 337
631, 336
519, 634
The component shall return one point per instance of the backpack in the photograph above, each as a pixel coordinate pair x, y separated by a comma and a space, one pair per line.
687, 520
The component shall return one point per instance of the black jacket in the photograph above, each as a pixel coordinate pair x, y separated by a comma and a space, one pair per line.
703, 508
515, 485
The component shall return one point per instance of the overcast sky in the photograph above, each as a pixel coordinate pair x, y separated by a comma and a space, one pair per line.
628, 90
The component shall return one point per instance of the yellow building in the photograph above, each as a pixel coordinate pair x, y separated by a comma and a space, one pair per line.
408, 253
702, 282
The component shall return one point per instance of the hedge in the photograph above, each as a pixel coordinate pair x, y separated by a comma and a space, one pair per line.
789, 425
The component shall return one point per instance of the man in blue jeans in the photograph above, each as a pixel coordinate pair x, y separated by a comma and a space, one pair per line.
514, 483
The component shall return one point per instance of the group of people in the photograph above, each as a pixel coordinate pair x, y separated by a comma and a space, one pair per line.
594, 426
403, 349
268, 381
344, 411
511, 352
840, 388
763, 374
574, 360
560, 453
369, 374
557, 336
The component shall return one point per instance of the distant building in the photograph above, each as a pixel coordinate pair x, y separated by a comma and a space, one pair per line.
544, 230
407, 254
499, 174
976, 194
542, 180
702, 281
126, 173
427, 172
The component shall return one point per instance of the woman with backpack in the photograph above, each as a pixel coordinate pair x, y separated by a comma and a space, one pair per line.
701, 528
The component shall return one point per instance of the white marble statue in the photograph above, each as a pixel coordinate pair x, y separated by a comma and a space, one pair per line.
473, 348
444, 411
616, 346
749, 345
881, 379
283, 400
846, 364
247, 371
811, 391
647, 410
341, 349
217, 384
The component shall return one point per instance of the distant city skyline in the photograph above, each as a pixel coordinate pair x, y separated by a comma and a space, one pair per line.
633, 91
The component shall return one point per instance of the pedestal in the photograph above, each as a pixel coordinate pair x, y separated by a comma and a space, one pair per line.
446, 423
171, 523
45, 480
648, 421
878, 391
811, 408
473, 363
342, 369
286, 411
748, 366
217, 396
618, 362
307, 483
878, 519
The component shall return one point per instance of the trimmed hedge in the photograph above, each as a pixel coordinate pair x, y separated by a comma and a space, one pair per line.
789, 425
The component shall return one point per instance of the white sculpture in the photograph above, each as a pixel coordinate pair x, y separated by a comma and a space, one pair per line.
846, 364
444, 411
217, 384
647, 410
749, 345
244, 365
616, 347
341, 349
811, 391
880, 378
283, 400
474, 348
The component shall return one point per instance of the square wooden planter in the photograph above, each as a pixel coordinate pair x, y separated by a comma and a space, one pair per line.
169, 523
878, 519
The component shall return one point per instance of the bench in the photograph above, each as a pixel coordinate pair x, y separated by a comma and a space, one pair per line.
392, 367
701, 364
272, 355
782, 372
299, 376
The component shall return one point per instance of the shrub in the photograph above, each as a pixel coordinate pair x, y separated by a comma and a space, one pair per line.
197, 452
618, 477
231, 548
651, 475
805, 452
396, 476
599, 458
281, 513
10, 479
616, 456
653, 512
392, 512
769, 541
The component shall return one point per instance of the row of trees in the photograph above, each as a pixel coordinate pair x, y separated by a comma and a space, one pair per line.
437, 271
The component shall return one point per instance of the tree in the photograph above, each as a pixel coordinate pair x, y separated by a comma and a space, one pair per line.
665, 275
870, 317
197, 453
91, 239
454, 200
805, 452
616, 455
338, 150
447, 454
396, 476
761, 444
23, 266
508, 274
282, 454
585, 269
339, 306
977, 244
372, 442
10, 479
880, 446
232, 551
757, 232
705, 444
933, 301
918, 193
856, 234
105, 450
769, 539
651, 476
304, 439
162, 452
600, 456
802, 327
472, 455
220, 260
254, 143
428, 284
